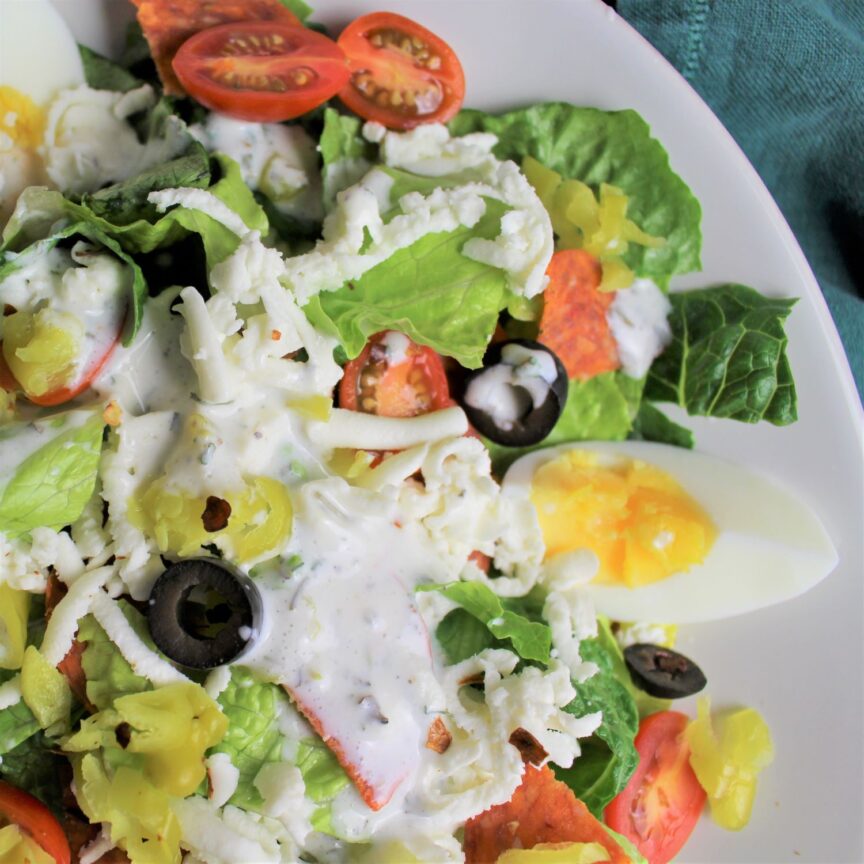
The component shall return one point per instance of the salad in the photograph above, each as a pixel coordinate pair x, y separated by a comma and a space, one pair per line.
341, 519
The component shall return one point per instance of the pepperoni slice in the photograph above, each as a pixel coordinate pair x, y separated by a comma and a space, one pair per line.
574, 322
167, 24
542, 810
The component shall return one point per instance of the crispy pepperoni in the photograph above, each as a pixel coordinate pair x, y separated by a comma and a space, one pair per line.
167, 24
574, 322
542, 810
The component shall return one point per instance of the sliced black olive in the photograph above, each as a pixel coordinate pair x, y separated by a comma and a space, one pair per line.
518, 395
662, 672
203, 613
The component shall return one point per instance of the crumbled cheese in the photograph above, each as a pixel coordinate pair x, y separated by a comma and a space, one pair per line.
638, 320
223, 776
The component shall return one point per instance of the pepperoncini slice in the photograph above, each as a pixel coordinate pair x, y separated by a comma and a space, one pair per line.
139, 814
41, 349
14, 611
726, 757
556, 853
583, 220
17, 847
45, 691
257, 519
170, 727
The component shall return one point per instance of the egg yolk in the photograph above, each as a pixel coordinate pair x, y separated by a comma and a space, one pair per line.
21, 120
640, 523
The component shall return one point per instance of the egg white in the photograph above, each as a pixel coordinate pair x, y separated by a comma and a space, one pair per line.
770, 546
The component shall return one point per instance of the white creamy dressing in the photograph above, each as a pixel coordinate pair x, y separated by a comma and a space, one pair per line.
639, 320
80, 290
517, 384
344, 635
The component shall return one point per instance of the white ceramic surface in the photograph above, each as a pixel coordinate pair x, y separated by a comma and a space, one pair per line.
802, 663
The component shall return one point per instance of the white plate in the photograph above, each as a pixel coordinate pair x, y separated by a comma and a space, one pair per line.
801, 663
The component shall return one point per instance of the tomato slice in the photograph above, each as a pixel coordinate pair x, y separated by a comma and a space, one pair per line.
402, 74
35, 819
660, 806
167, 24
394, 377
574, 322
261, 71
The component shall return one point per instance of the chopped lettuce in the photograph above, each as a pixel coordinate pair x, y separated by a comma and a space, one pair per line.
323, 777
429, 291
345, 154
727, 357
107, 671
609, 757
100, 73
34, 765
651, 424
613, 147
17, 723
531, 640
253, 737
52, 485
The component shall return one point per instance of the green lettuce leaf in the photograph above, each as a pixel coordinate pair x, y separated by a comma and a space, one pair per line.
727, 357
32, 765
599, 409
429, 291
323, 777
651, 424
253, 737
100, 73
108, 673
530, 639
345, 154
612, 147
17, 722
39, 209
52, 485
299, 7
609, 757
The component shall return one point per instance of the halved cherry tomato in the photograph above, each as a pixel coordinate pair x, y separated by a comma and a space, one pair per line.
402, 74
574, 322
394, 377
261, 71
660, 806
34, 818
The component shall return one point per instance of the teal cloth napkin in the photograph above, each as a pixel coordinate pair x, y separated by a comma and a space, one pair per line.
786, 78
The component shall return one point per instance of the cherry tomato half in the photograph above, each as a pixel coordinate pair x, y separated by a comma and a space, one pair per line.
402, 74
260, 70
660, 806
35, 819
394, 377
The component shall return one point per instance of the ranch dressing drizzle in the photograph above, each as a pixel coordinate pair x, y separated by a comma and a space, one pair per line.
344, 636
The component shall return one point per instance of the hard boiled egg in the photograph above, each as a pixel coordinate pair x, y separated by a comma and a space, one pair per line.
680, 536
38, 58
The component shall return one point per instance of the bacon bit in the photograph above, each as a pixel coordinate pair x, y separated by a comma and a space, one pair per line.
439, 737
216, 514
112, 414
167, 24
275, 335
542, 810
531, 749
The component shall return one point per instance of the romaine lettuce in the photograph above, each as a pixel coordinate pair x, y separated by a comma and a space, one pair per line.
613, 147
52, 485
727, 357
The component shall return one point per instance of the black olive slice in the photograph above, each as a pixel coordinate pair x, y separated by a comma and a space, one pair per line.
203, 613
662, 672
518, 395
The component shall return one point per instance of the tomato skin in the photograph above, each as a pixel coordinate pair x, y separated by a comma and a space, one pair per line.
402, 74
261, 71
661, 804
35, 819
391, 393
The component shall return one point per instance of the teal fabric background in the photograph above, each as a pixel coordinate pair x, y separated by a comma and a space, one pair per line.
786, 78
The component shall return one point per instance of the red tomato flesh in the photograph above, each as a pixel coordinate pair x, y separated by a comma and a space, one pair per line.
261, 71
35, 819
377, 383
402, 74
660, 806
